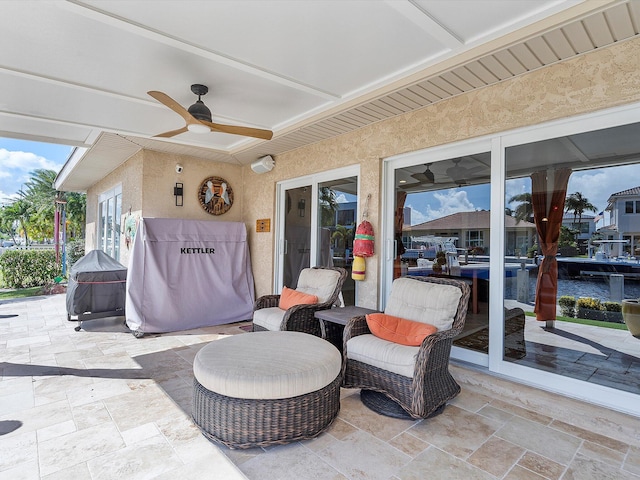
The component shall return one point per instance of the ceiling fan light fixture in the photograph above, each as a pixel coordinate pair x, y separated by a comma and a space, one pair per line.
198, 128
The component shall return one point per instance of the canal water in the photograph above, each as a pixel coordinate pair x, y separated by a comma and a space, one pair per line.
595, 288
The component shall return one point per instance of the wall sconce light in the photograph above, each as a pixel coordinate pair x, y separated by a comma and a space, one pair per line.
177, 192
301, 206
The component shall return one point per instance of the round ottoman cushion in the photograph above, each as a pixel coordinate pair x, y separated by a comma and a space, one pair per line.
267, 365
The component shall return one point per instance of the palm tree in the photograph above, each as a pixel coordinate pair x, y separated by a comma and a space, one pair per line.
524, 210
578, 204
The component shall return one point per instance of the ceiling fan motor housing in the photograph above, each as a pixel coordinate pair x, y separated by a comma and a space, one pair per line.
200, 111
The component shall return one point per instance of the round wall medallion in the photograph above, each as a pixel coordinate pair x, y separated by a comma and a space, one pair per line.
215, 195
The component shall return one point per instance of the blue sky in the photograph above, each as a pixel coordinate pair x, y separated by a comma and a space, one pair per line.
18, 158
596, 185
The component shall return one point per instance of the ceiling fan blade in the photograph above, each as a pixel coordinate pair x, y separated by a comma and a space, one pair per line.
172, 133
237, 130
167, 101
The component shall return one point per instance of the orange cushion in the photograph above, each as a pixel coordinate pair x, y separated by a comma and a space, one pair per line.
399, 330
290, 297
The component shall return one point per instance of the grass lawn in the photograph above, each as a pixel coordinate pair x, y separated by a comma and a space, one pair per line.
20, 293
584, 321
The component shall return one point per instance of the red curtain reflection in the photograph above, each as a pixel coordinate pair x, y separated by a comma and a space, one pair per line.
398, 223
549, 189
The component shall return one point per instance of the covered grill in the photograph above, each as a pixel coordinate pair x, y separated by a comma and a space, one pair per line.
186, 274
97, 288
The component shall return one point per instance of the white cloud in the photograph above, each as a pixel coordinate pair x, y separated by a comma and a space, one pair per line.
24, 161
342, 198
450, 201
598, 185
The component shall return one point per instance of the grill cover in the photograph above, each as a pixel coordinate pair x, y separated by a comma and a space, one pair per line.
186, 274
96, 284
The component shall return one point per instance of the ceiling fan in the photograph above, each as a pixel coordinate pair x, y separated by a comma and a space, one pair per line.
461, 175
425, 178
198, 117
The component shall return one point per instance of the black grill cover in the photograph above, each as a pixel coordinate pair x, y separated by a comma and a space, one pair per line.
96, 284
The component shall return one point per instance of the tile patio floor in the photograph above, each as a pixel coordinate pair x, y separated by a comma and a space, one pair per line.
101, 404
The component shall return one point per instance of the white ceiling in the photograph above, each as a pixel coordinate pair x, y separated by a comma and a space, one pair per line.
77, 72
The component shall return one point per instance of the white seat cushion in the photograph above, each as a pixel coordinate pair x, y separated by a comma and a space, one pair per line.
393, 357
319, 282
269, 318
267, 365
424, 302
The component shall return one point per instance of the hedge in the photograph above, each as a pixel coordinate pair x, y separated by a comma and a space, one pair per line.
28, 268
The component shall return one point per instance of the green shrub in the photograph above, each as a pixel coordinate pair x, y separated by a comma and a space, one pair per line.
612, 306
589, 303
567, 305
531, 251
75, 251
28, 268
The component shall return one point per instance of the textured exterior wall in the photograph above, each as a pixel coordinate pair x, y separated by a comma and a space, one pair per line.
148, 179
160, 177
130, 175
605, 78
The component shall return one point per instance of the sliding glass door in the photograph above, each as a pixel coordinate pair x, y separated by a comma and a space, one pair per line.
544, 222
316, 225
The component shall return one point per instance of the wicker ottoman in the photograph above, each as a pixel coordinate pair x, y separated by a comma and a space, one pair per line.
265, 388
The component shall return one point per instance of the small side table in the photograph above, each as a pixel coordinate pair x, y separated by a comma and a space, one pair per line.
333, 321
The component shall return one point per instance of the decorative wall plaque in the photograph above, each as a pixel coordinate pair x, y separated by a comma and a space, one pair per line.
215, 195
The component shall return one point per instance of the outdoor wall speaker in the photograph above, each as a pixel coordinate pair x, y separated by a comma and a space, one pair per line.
263, 165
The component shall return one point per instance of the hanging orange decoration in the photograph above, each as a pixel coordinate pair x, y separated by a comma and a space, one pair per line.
362, 245
363, 240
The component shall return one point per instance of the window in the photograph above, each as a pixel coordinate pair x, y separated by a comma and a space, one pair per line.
628, 207
475, 238
109, 213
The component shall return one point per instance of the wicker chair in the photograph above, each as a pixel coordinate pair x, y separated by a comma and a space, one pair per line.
325, 282
427, 390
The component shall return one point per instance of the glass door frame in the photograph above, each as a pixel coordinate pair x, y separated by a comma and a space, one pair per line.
280, 213
431, 156
497, 143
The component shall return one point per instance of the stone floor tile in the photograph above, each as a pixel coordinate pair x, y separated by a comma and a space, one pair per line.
143, 460
593, 437
632, 462
78, 447
138, 407
24, 471
17, 449
57, 430
496, 456
409, 444
546, 441
521, 473
363, 456
75, 472
434, 463
357, 414
215, 470
532, 415
289, 462
582, 467
541, 466
456, 431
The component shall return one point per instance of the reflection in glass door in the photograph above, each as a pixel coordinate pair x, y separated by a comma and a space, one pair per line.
337, 214
296, 247
441, 228
569, 277
316, 225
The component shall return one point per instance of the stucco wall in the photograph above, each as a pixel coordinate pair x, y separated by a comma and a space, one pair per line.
130, 175
160, 177
148, 179
601, 79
